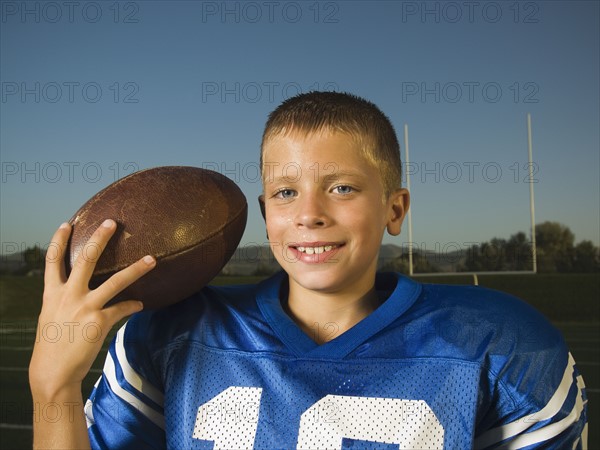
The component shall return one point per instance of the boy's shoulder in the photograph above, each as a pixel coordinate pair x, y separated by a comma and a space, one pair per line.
471, 315
474, 300
455, 299
211, 304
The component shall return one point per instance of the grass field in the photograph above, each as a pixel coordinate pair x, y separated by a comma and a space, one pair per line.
571, 302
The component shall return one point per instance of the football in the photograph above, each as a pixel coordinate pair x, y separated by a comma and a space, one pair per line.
190, 219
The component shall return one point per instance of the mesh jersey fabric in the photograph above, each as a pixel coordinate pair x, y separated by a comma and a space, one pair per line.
434, 367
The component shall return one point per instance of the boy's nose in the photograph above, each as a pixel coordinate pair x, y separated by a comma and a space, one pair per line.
311, 212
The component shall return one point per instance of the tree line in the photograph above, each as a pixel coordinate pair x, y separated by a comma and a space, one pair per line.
556, 252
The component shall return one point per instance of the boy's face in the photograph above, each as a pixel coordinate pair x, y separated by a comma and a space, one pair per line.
326, 212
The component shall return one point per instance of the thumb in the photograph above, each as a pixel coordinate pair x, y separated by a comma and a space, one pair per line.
121, 310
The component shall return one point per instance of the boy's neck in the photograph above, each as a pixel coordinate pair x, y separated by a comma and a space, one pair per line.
324, 316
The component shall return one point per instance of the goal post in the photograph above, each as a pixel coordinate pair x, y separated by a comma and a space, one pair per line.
474, 274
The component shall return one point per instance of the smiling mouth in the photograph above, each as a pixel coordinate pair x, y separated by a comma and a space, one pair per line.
314, 252
317, 250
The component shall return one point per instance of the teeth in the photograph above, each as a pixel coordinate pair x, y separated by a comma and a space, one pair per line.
315, 250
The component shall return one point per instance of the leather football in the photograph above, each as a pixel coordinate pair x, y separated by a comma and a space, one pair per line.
190, 219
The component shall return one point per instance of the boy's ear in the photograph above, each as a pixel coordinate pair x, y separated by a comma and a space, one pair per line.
398, 203
261, 203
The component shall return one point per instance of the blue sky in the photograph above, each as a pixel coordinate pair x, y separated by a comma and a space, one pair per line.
94, 90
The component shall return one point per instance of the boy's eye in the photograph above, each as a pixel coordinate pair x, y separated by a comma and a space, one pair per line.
285, 193
343, 189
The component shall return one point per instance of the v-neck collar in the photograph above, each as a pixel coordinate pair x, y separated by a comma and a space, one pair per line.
404, 292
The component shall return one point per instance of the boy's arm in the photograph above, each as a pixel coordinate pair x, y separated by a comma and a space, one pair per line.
60, 361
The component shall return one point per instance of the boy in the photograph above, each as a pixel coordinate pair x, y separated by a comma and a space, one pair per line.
324, 355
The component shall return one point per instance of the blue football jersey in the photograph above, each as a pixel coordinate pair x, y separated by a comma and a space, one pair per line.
434, 367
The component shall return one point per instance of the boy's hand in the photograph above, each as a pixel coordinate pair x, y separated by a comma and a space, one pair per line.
73, 322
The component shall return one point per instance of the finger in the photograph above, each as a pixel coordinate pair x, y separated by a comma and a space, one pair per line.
90, 253
55, 262
120, 280
120, 310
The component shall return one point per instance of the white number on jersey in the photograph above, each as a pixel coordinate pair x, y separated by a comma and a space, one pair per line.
230, 420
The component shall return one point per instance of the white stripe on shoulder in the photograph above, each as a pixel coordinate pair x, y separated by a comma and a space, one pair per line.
132, 377
111, 378
549, 431
88, 409
89, 413
496, 435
